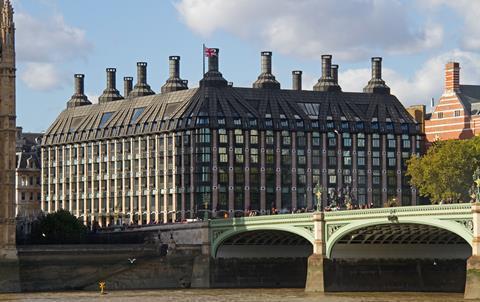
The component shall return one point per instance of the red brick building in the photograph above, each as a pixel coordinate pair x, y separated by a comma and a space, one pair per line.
456, 116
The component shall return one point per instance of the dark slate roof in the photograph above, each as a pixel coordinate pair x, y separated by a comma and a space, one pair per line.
257, 109
470, 97
28, 161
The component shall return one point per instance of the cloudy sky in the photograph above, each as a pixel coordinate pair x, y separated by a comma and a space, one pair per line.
57, 38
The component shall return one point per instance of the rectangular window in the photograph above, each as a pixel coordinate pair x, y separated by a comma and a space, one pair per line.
457, 113
440, 115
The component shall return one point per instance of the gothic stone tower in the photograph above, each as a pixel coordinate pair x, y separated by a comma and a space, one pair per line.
7, 131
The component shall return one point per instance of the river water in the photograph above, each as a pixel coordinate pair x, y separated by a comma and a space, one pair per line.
230, 295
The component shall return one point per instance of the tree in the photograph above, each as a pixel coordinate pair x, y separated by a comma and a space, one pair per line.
59, 227
445, 172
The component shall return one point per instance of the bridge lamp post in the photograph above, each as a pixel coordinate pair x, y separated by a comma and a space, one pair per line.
318, 194
476, 179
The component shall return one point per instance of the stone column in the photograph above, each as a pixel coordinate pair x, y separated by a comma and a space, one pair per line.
294, 171
157, 183
324, 168
472, 283
263, 190
315, 276
201, 270
278, 172
310, 184
246, 174
147, 155
214, 172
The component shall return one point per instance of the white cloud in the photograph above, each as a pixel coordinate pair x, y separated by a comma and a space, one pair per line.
469, 10
49, 40
44, 45
42, 76
426, 82
308, 28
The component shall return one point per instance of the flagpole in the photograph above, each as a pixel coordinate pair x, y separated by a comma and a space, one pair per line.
203, 56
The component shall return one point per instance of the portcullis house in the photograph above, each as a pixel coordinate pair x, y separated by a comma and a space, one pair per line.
157, 157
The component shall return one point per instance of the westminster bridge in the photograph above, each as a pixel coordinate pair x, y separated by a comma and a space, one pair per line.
431, 231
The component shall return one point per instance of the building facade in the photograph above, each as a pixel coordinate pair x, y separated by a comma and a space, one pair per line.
7, 131
457, 114
28, 175
148, 157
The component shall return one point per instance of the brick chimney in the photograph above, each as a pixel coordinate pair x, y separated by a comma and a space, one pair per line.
452, 76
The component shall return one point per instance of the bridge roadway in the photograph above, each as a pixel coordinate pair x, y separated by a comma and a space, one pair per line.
449, 225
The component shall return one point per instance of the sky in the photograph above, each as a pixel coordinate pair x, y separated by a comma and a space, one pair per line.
57, 38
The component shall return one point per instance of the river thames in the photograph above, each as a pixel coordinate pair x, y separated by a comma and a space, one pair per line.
230, 295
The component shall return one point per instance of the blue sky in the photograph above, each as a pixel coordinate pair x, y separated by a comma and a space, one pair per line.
57, 38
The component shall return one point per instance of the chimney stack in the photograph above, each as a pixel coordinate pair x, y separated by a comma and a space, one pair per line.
141, 88
452, 77
174, 83
335, 73
213, 78
127, 85
110, 93
266, 79
78, 98
79, 84
376, 84
297, 80
213, 59
326, 81
266, 61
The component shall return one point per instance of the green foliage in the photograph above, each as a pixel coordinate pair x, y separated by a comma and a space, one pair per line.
58, 228
445, 172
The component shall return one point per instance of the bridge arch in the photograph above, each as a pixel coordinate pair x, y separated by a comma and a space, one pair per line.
218, 241
446, 225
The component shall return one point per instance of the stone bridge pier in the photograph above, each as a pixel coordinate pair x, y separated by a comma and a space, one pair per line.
315, 277
472, 283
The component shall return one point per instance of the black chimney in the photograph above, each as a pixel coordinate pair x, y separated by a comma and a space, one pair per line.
213, 77
376, 84
141, 88
297, 80
174, 83
326, 82
127, 85
110, 93
78, 98
266, 79
335, 73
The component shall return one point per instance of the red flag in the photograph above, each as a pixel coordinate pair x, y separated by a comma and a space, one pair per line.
210, 52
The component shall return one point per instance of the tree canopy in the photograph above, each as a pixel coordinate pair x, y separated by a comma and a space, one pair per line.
445, 172
59, 227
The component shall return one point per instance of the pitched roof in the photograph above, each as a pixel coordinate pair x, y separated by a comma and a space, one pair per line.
470, 97
204, 106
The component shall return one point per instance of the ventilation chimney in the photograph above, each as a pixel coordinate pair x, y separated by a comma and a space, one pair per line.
110, 93
326, 82
376, 84
297, 80
452, 77
266, 79
127, 86
78, 98
174, 83
335, 73
213, 77
141, 88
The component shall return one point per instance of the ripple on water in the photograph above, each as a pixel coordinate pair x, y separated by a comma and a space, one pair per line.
230, 295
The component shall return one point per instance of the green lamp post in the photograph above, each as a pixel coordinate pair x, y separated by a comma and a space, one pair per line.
476, 180
205, 204
318, 190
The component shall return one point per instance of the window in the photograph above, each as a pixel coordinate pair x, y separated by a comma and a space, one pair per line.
457, 113
440, 115
136, 114
105, 117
